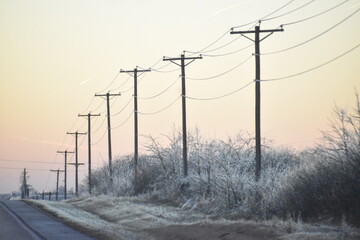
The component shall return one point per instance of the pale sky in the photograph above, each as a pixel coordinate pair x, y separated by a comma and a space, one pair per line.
55, 55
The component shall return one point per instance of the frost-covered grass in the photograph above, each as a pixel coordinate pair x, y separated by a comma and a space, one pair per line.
86, 221
134, 218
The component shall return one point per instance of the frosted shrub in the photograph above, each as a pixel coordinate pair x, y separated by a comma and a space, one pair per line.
221, 175
317, 183
327, 185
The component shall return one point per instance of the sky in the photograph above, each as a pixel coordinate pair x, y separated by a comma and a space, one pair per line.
55, 55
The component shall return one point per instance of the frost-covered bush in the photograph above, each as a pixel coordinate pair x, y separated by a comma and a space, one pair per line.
318, 183
327, 185
221, 175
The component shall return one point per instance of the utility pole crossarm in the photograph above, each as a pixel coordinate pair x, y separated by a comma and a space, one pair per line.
64, 152
76, 163
137, 70
87, 115
181, 58
107, 94
76, 133
260, 31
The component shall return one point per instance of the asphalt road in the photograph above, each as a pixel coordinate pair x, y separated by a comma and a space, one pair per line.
11, 228
19, 221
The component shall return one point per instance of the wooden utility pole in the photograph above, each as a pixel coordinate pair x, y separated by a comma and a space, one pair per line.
257, 41
108, 95
136, 133
89, 115
25, 190
65, 171
57, 181
76, 160
182, 64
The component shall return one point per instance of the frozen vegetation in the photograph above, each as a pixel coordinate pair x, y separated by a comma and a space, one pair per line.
319, 184
296, 190
133, 218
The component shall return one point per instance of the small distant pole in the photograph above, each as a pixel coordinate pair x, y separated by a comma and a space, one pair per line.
76, 164
24, 193
43, 195
57, 181
50, 196
65, 171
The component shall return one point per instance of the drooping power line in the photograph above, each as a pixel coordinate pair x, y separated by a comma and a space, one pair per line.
311, 69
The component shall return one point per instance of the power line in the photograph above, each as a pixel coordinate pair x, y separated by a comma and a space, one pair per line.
110, 83
132, 112
316, 15
222, 96
92, 100
166, 71
203, 50
226, 54
100, 139
156, 63
102, 123
82, 125
122, 108
218, 39
163, 109
154, 69
284, 14
156, 95
82, 141
256, 21
214, 49
62, 144
100, 105
221, 74
115, 89
143, 76
32, 169
12, 160
313, 38
311, 69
